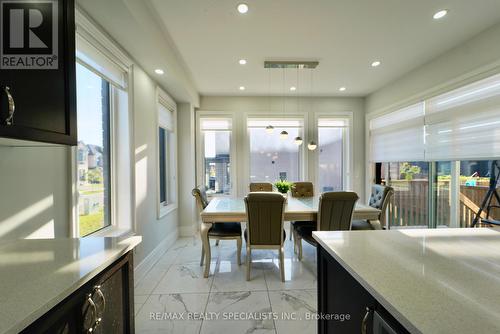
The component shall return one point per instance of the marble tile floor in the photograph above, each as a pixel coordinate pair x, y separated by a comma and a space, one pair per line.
175, 298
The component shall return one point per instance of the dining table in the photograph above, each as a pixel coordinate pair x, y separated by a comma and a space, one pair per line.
230, 209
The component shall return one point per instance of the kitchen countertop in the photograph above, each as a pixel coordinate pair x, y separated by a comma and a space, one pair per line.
430, 280
35, 275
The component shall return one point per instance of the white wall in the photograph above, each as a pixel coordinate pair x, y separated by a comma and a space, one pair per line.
186, 165
274, 106
34, 192
475, 59
154, 231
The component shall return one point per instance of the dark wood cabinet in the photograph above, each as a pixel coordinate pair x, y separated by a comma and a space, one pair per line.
104, 304
344, 305
44, 97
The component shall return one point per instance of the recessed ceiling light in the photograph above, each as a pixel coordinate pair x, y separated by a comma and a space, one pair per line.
342, 89
376, 63
293, 88
159, 71
242, 61
439, 15
242, 87
242, 8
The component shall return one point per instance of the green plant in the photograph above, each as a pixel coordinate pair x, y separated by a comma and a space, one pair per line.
94, 176
408, 171
283, 186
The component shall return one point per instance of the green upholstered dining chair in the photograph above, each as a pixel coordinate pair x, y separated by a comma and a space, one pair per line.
219, 231
380, 198
301, 190
334, 214
261, 186
265, 218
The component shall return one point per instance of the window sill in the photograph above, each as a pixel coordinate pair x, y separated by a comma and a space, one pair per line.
112, 231
166, 210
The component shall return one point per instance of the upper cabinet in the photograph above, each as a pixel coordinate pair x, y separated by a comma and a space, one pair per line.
37, 71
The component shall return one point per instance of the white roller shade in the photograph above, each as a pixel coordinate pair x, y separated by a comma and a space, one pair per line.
215, 124
398, 136
465, 123
96, 51
98, 62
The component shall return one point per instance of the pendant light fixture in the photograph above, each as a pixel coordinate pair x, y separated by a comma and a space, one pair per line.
269, 128
283, 134
298, 140
312, 144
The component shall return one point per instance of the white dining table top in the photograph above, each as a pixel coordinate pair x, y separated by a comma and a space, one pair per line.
305, 205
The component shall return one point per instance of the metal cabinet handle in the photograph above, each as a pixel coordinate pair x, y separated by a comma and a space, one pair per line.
12, 106
95, 322
97, 289
364, 322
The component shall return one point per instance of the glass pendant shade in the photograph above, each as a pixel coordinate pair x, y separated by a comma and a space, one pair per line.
283, 135
312, 146
298, 141
269, 129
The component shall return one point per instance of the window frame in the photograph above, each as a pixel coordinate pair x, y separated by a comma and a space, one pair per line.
347, 156
112, 96
200, 144
120, 101
165, 101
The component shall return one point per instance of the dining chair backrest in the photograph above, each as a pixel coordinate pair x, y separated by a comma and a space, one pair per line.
303, 189
335, 210
261, 186
200, 194
380, 198
265, 218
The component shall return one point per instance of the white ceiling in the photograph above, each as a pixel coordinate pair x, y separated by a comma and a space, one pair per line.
344, 35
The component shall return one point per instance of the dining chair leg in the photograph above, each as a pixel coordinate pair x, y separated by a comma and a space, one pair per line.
294, 242
217, 242
249, 261
282, 264
202, 256
291, 230
238, 245
299, 245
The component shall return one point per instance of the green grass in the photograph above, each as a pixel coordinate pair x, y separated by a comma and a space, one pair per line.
91, 223
90, 192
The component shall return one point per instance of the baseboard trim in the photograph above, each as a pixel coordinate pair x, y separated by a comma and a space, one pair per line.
149, 261
187, 231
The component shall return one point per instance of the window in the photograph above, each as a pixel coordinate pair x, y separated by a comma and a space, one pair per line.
474, 184
443, 191
410, 181
167, 154
332, 154
216, 155
162, 154
94, 151
272, 157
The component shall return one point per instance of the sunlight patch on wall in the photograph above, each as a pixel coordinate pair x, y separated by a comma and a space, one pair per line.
47, 231
23, 216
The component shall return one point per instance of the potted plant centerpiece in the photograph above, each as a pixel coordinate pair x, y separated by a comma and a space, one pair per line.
284, 187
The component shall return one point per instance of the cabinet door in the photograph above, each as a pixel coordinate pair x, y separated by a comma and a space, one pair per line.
45, 96
112, 295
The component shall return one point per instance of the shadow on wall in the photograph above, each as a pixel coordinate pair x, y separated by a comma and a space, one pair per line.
34, 192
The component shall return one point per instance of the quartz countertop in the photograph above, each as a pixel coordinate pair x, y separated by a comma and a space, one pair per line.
430, 280
35, 275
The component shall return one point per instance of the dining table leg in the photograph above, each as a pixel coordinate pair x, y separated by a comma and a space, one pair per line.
205, 227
